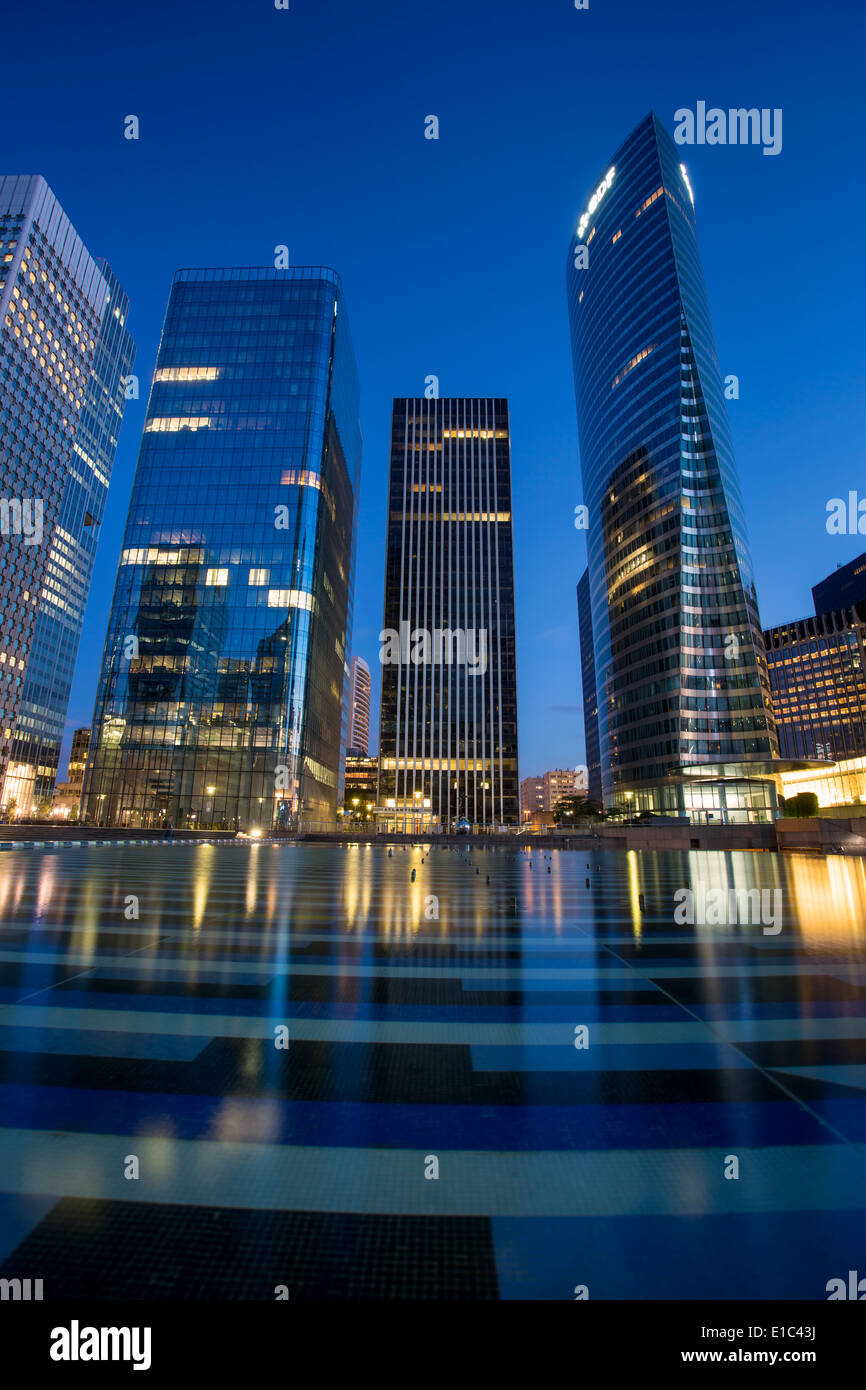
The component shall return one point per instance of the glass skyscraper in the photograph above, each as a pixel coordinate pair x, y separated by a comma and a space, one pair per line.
64, 353
818, 671
844, 587
225, 676
684, 718
590, 694
818, 680
448, 729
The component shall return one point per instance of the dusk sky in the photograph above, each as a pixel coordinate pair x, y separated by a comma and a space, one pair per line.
306, 127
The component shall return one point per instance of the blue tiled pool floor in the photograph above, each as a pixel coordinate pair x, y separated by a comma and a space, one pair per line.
430, 1130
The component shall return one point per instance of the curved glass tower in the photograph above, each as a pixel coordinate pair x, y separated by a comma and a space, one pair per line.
680, 669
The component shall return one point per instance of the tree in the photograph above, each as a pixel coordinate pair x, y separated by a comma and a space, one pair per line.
573, 808
803, 804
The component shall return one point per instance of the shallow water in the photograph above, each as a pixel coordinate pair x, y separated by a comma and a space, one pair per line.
432, 1025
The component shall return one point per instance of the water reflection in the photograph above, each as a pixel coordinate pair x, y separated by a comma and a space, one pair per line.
431, 997
360, 889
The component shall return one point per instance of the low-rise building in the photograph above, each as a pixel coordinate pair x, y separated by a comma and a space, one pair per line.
67, 795
540, 794
361, 783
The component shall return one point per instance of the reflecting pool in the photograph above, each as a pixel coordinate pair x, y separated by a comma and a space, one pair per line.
430, 1072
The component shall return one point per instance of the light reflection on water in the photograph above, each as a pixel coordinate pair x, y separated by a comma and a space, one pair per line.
263, 892
342, 945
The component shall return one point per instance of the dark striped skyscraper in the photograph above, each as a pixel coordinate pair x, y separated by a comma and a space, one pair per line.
448, 731
225, 674
684, 717
65, 354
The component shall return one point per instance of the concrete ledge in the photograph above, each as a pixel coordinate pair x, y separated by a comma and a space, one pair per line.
807, 835
821, 835
21, 834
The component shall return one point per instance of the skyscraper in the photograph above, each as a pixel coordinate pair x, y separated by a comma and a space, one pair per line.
818, 671
448, 741
64, 353
359, 706
224, 678
684, 717
844, 587
818, 679
590, 694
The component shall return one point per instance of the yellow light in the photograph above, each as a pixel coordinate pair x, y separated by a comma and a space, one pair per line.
290, 598
170, 424
186, 373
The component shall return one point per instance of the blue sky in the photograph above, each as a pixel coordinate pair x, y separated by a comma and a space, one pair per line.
306, 127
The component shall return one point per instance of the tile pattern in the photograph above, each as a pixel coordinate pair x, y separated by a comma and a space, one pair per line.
416, 1038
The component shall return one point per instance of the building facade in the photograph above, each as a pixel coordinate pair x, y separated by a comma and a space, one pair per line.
559, 783
448, 727
540, 794
361, 788
680, 669
590, 695
842, 784
225, 675
531, 797
65, 356
818, 681
359, 707
78, 757
66, 800
580, 783
844, 587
